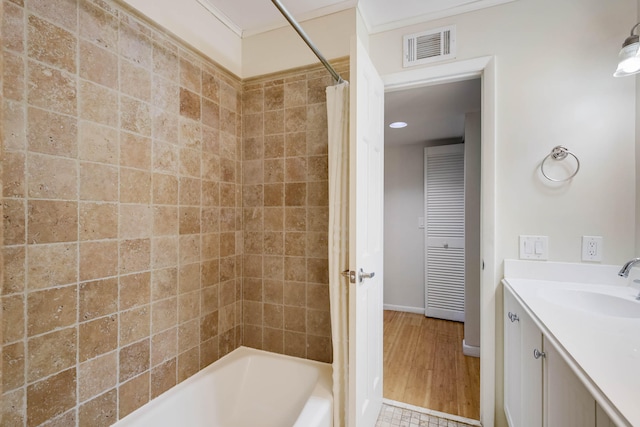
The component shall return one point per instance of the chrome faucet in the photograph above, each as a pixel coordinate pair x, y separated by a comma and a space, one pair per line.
626, 268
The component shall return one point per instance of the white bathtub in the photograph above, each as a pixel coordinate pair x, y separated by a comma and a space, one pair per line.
246, 388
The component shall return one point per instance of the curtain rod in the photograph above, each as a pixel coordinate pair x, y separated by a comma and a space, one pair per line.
306, 39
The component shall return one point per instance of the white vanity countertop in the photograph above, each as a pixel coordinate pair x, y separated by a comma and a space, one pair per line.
602, 347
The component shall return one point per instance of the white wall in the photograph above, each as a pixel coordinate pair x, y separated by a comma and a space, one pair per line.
197, 27
554, 62
403, 240
283, 49
472, 134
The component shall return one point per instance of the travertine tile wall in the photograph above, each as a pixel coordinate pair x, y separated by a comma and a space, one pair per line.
122, 213
285, 209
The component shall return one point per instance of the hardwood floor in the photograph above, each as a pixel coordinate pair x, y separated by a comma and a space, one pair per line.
424, 365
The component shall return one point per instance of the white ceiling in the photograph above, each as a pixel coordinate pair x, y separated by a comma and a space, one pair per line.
434, 112
249, 17
431, 112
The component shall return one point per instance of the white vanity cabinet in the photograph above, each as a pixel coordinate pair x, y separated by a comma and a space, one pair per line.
540, 389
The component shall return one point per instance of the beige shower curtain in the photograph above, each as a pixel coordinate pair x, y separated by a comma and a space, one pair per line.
338, 123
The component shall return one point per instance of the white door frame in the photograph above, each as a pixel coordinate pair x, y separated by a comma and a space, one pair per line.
484, 68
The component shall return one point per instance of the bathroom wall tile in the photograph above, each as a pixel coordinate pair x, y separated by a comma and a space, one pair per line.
273, 291
98, 220
164, 346
98, 182
98, 259
165, 252
135, 46
273, 316
134, 359
13, 122
135, 290
164, 314
165, 220
295, 94
13, 270
190, 191
295, 194
318, 218
188, 306
135, 255
13, 406
274, 122
97, 298
97, 375
210, 246
208, 352
60, 12
274, 97
317, 142
317, 270
163, 377
295, 269
51, 44
13, 76
13, 364
134, 325
273, 340
253, 336
295, 319
97, 337
13, 212
273, 146
51, 89
13, 174
135, 81
135, 116
189, 278
133, 394
318, 193
295, 144
210, 87
98, 26
188, 335
189, 249
190, 75
165, 62
295, 294
52, 133
190, 162
228, 293
164, 125
98, 103
295, 344
295, 119
188, 363
66, 419
165, 189
317, 245
51, 265
210, 273
189, 220
209, 326
318, 297
12, 318
190, 133
164, 283
52, 221
135, 186
318, 168
189, 104
51, 397
135, 151
165, 95
51, 309
98, 143
101, 411
319, 348
316, 116
210, 112
98, 65
51, 353
52, 177
136, 221
319, 323
13, 27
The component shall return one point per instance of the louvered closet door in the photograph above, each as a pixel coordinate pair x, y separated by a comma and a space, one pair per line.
444, 232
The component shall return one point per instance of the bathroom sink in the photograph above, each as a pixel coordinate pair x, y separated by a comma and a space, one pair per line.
593, 302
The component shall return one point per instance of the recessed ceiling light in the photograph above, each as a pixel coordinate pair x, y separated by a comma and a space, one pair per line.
398, 125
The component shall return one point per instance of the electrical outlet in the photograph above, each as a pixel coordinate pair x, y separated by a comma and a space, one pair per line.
592, 248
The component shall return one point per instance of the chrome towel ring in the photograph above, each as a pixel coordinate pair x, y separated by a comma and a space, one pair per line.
560, 153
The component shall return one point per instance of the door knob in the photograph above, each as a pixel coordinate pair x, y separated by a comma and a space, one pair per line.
362, 275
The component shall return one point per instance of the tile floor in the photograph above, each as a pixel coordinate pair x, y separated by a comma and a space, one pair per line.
396, 414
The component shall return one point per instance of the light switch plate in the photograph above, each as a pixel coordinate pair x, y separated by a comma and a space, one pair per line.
534, 247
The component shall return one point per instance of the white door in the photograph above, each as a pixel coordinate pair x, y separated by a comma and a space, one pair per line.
444, 232
365, 239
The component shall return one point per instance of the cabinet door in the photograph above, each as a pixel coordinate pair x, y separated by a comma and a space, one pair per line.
602, 419
512, 360
567, 402
523, 372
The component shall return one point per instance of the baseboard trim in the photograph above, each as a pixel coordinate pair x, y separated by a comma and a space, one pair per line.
470, 350
406, 309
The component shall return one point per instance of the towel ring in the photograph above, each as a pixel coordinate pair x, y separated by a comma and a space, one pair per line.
560, 153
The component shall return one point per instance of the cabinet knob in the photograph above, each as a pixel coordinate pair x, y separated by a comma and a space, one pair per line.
538, 354
513, 317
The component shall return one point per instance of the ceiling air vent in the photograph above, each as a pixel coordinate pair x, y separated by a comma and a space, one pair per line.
429, 46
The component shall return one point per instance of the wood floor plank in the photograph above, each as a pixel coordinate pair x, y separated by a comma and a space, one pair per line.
424, 365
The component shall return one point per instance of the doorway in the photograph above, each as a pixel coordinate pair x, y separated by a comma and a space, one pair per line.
424, 361
485, 68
